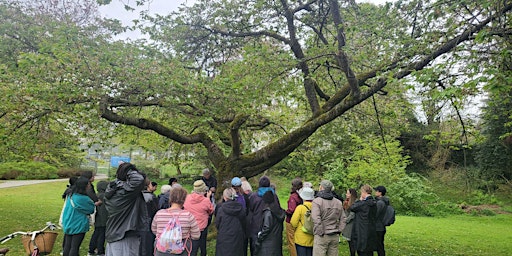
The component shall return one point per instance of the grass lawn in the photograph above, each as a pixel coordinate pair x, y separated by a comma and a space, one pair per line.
28, 208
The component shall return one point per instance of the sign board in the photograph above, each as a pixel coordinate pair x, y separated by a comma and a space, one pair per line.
116, 160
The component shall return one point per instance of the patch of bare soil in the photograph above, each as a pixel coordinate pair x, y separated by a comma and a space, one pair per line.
483, 208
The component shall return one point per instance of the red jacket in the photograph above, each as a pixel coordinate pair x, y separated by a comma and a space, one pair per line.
293, 202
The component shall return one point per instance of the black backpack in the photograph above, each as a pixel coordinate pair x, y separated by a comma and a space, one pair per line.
389, 216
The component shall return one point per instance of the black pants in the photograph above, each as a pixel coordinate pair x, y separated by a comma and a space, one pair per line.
72, 244
352, 247
380, 243
200, 244
364, 253
147, 243
98, 240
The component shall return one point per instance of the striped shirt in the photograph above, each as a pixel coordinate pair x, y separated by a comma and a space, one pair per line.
189, 227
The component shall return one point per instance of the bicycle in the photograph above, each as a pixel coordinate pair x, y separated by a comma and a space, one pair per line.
45, 240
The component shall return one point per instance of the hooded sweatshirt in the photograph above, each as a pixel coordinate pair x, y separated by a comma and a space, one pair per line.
201, 207
230, 224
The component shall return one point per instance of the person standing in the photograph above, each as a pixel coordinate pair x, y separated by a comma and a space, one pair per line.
201, 207
327, 214
293, 201
270, 236
211, 183
363, 232
127, 212
147, 238
246, 186
75, 222
256, 207
382, 205
350, 198
303, 240
209, 180
97, 242
173, 181
243, 199
230, 224
91, 192
163, 198
189, 227
152, 187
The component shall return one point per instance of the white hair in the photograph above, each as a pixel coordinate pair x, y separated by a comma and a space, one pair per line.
246, 186
165, 188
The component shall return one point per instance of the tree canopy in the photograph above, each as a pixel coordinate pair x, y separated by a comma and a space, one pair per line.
250, 81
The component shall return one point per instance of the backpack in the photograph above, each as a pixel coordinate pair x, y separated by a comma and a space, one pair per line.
389, 216
171, 238
307, 226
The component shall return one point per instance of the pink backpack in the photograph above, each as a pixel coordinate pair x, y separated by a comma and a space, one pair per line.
171, 238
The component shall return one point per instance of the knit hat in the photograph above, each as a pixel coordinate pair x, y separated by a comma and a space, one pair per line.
307, 194
264, 182
268, 197
200, 187
236, 182
327, 185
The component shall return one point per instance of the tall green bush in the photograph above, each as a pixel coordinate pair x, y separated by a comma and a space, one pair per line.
27, 170
372, 162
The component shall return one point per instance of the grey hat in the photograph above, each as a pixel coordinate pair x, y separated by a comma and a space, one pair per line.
307, 194
327, 185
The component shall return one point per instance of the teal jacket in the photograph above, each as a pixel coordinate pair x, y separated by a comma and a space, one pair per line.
75, 216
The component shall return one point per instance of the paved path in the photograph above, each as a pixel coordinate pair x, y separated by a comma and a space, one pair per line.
17, 183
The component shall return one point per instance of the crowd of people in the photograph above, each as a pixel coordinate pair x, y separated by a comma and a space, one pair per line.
131, 220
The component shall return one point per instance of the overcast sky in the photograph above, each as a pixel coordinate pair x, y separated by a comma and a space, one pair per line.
116, 10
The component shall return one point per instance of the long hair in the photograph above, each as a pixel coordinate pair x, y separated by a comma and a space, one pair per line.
353, 196
270, 201
80, 186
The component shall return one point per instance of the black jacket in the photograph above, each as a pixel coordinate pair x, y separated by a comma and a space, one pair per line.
230, 224
127, 212
101, 210
363, 230
270, 238
382, 205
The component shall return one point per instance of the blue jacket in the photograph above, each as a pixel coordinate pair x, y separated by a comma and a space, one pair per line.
74, 217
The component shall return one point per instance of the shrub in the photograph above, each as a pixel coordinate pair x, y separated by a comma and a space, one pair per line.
70, 172
27, 170
411, 195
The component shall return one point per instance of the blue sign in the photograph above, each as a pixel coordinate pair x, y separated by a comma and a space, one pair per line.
115, 161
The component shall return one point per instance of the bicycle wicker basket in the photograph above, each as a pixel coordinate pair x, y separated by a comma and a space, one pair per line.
44, 242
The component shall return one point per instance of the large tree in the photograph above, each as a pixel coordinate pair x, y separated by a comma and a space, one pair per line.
250, 81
